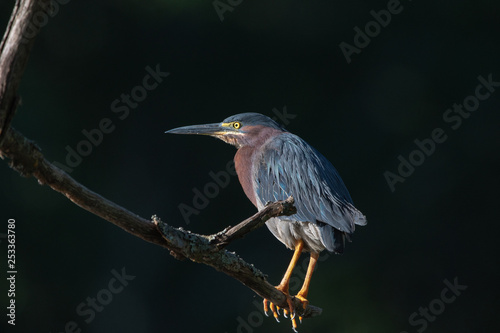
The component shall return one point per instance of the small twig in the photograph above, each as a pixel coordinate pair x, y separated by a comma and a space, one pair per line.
273, 209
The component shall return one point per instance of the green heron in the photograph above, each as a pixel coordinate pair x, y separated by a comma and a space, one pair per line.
273, 164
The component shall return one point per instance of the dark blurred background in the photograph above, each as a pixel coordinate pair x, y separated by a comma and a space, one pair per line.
439, 224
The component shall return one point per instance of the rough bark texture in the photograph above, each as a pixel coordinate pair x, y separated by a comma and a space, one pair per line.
26, 158
14, 50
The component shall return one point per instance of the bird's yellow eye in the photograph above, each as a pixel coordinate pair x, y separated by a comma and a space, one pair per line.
236, 125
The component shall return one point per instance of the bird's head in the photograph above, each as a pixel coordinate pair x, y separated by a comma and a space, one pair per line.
239, 130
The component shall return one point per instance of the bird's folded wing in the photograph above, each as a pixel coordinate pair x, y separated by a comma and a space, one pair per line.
289, 166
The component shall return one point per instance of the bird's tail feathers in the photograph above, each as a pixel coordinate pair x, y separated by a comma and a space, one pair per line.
333, 239
339, 241
357, 216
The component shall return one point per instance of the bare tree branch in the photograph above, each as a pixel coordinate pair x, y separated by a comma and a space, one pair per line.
201, 249
14, 53
26, 158
254, 222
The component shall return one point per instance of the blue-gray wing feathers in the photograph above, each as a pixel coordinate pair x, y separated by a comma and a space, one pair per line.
288, 166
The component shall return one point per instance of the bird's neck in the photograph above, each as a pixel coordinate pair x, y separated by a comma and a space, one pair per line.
257, 136
246, 157
243, 163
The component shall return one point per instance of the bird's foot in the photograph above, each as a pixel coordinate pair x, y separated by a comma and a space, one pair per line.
275, 309
305, 303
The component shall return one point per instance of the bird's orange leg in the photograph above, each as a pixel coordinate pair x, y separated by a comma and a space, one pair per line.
305, 287
283, 286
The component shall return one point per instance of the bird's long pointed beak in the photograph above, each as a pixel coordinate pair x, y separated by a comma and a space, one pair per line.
206, 129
